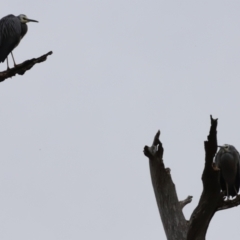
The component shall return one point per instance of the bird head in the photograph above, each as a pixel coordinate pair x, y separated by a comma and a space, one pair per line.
24, 19
225, 147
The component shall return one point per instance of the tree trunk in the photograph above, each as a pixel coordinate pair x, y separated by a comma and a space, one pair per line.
170, 209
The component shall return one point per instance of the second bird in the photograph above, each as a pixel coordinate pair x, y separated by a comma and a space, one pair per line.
228, 160
12, 30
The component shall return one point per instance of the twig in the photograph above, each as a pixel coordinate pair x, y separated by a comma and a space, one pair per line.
184, 202
170, 211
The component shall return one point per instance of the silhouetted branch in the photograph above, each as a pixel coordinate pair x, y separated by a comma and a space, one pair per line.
211, 195
186, 201
170, 209
23, 67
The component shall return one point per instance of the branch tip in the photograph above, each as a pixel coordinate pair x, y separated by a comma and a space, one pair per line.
168, 170
156, 140
185, 201
23, 67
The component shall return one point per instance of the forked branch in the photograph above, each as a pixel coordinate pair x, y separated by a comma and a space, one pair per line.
186, 201
170, 209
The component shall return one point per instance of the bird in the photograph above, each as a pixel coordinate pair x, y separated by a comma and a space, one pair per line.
12, 30
228, 161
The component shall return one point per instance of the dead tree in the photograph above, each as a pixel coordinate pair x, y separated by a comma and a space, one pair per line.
23, 67
170, 208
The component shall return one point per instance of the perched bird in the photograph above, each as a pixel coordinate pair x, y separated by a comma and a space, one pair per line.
228, 161
12, 30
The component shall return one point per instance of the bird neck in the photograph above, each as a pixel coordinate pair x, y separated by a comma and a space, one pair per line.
24, 29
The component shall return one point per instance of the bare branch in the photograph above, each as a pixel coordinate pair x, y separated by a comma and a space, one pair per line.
23, 67
184, 202
170, 209
211, 195
155, 149
156, 140
173, 220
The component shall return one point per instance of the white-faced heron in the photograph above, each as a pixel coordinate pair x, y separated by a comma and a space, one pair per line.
12, 30
228, 161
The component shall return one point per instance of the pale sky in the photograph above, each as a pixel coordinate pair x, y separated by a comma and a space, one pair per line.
73, 128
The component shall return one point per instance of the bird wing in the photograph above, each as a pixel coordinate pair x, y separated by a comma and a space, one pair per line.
218, 163
10, 35
237, 180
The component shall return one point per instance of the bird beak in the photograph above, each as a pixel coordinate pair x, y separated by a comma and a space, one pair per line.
31, 20
220, 146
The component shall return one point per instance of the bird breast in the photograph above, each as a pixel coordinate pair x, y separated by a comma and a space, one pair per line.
228, 167
24, 29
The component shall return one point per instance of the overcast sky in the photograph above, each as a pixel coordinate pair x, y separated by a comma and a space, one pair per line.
73, 128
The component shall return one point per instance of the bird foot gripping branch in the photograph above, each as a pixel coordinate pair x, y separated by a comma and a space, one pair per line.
23, 67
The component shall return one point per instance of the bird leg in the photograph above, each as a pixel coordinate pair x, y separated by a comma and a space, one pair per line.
13, 60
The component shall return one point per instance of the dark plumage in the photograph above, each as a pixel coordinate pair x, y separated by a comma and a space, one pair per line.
12, 30
228, 160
